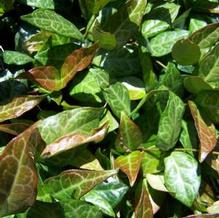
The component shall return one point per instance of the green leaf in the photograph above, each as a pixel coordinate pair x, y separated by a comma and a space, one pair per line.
73, 140
18, 174
170, 123
17, 58
181, 177
207, 36
129, 136
77, 208
117, 97
80, 120
5, 6
162, 44
159, 19
209, 67
196, 24
75, 183
46, 4
207, 133
209, 102
53, 80
185, 52
130, 165
18, 106
52, 22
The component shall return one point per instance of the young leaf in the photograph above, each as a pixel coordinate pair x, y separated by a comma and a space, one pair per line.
46, 4
72, 140
18, 106
143, 208
16, 58
52, 22
130, 165
162, 44
207, 134
130, 135
75, 183
170, 123
117, 97
181, 177
18, 174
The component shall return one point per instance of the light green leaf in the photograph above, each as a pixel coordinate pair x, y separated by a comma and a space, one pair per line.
117, 97
46, 4
181, 177
159, 19
209, 67
80, 120
75, 183
76, 208
53, 22
16, 58
162, 44
130, 165
170, 123
196, 24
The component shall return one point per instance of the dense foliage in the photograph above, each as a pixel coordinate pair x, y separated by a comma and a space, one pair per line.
109, 108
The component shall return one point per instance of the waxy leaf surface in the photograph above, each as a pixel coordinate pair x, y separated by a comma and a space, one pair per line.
207, 133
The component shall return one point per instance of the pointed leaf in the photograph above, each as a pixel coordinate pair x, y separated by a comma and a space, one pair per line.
17, 58
130, 165
18, 106
207, 134
79, 120
143, 208
50, 78
75, 183
52, 22
117, 97
181, 177
130, 135
76, 208
18, 181
73, 140
170, 123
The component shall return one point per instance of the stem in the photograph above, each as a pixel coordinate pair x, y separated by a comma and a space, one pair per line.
161, 64
90, 24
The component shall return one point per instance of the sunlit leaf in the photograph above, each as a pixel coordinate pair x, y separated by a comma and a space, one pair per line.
130, 165
17, 58
207, 133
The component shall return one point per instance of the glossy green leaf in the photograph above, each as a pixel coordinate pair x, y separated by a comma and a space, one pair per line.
143, 208
196, 24
46, 4
79, 120
209, 102
117, 97
73, 140
129, 136
170, 123
77, 208
52, 22
209, 67
207, 133
130, 165
181, 177
207, 36
75, 183
17, 58
185, 52
51, 79
159, 19
162, 44
18, 105
18, 174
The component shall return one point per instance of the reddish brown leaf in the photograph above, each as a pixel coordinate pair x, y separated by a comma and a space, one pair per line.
51, 79
143, 208
207, 134
18, 106
73, 140
18, 174
130, 165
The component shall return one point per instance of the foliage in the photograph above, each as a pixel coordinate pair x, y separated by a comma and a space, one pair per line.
109, 108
